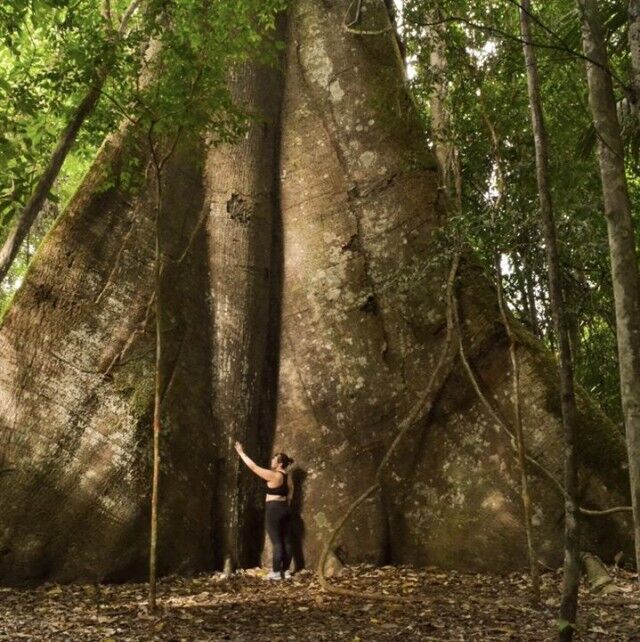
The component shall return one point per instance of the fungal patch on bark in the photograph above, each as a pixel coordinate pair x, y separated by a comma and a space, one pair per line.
321, 520
367, 159
239, 210
318, 64
337, 93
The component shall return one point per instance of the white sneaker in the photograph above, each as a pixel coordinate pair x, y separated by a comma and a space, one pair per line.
287, 575
272, 575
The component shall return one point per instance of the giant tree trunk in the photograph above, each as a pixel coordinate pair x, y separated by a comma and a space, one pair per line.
362, 324
363, 319
76, 383
243, 219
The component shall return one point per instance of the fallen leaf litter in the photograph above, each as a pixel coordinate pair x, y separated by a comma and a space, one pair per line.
452, 606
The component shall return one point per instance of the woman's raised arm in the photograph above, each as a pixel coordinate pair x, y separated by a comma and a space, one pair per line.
265, 473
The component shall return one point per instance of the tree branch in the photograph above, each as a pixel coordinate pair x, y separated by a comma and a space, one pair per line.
127, 15
106, 14
508, 36
348, 26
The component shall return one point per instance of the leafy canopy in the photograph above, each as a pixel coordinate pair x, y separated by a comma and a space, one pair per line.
52, 51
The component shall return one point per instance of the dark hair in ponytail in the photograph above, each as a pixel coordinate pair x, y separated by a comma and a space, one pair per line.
284, 460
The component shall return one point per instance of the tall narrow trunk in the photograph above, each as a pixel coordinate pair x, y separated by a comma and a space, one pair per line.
157, 394
527, 504
515, 364
622, 241
531, 293
513, 357
525, 303
439, 114
569, 603
242, 204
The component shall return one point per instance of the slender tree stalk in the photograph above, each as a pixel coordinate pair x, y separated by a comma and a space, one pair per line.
634, 49
153, 541
517, 415
439, 113
622, 244
571, 577
159, 389
515, 366
155, 477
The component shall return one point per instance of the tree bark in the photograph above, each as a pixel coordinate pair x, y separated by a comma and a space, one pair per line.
363, 273
76, 383
439, 114
634, 49
622, 245
241, 222
84, 268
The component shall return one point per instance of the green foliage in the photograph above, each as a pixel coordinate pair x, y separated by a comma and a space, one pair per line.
486, 83
199, 43
51, 52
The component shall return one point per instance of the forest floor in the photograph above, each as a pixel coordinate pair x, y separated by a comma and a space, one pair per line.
449, 606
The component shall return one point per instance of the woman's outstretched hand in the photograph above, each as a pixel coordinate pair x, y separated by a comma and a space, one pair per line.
239, 448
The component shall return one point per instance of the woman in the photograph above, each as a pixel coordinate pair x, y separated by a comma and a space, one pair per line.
277, 511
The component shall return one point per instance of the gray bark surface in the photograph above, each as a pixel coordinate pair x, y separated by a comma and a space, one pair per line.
76, 386
59, 401
242, 220
363, 317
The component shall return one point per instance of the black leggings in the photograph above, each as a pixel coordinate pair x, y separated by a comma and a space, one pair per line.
278, 524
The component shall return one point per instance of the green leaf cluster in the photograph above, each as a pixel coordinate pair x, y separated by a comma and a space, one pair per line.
486, 83
52, 52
